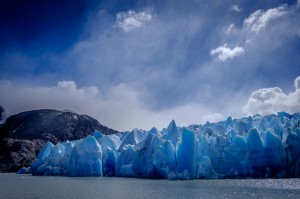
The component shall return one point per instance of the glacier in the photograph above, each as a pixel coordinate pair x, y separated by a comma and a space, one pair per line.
255, 147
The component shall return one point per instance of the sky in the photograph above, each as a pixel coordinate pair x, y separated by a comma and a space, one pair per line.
141, 63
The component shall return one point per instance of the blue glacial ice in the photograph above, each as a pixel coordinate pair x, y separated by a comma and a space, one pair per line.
258, 146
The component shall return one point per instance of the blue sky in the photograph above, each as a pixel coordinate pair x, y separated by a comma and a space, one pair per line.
143, 63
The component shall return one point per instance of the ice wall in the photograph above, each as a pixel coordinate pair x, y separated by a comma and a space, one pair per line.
258, 146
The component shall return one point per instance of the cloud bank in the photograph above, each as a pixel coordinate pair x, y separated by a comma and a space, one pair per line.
119, 108
272, 100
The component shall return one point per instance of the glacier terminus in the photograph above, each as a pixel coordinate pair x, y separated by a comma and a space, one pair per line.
255, 147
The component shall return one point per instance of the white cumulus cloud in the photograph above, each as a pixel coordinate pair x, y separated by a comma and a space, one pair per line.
131, 20
271, 100
259, 19
235, 8
223, 52
67, 85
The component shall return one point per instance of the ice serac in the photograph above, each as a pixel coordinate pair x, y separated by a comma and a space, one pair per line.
165, 160
256, 159
186, 155
235, 155
275, 155
38, 167
124, 165
133, 137
172, 133
54, 160
109, 146
86, 158
144, 156
259, 146
291, 142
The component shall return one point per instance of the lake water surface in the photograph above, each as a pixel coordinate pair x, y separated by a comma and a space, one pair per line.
26, 186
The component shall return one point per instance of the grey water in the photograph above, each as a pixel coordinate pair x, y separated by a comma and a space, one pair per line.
26, 186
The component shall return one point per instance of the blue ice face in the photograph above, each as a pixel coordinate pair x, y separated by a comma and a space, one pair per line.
86, 158
259, 146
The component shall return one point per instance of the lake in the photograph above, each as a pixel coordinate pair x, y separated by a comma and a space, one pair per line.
27, 186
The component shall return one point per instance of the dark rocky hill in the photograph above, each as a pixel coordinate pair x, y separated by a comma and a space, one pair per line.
23, 135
